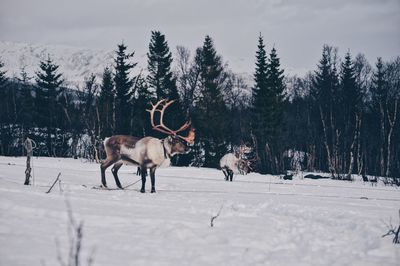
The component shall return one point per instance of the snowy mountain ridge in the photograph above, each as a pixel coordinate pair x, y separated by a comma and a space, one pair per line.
75, 63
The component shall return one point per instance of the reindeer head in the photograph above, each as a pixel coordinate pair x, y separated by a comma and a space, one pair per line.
176, 142
244, 167
244, 149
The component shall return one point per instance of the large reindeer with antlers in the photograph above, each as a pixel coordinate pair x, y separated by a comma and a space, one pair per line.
148, 152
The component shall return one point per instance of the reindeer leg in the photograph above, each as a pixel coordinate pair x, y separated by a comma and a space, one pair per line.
144, 173
153, 179
225, 173
139, 171
114, 170
230, 174
107, 163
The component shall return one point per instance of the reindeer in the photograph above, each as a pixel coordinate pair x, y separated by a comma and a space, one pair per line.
232, 163
148, 152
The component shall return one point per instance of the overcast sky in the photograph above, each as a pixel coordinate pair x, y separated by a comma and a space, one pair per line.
297, 28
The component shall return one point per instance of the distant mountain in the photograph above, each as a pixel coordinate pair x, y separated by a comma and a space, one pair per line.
75, 63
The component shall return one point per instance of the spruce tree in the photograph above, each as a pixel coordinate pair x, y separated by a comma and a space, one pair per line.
3, 93
275, 81
379, 95
123, 84
327, 104
4, 139
160, 77
351, 109
27, 101
159, 61
3, 78
268, 108
378, 89
106, 103
213, 123
88, 113
262, 105
141, 116
48, 82
351, 95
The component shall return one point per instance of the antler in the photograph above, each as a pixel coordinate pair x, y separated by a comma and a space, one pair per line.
190, 137
243, 148
161, 106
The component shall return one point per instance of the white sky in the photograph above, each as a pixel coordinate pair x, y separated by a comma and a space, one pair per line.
297, 28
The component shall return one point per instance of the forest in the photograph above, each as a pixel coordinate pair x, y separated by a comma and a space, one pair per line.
341, 117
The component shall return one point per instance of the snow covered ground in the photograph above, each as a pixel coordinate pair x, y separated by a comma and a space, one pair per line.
264, 220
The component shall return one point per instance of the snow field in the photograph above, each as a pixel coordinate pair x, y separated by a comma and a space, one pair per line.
264, 220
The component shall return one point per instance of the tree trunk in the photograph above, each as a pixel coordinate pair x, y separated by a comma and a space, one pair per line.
392, 123
352, 155
360, 162
382, 157
28, 169
328, 151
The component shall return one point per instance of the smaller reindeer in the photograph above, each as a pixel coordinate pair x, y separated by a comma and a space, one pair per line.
235, 163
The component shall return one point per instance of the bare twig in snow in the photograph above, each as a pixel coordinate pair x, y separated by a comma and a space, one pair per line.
60, 186
215, 216
55, 181
393, 230
75, 236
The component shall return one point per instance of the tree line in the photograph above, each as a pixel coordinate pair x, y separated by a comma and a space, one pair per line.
341, 118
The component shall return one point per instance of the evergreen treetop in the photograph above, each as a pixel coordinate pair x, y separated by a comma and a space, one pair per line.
351, 94
107, 84
47, 77
378, 88
123, 82
159, 61
123, 85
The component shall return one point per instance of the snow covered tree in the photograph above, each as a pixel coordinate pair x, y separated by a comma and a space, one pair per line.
123, 84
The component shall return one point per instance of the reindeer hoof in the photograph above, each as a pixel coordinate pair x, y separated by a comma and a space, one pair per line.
153, 190
142, 190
